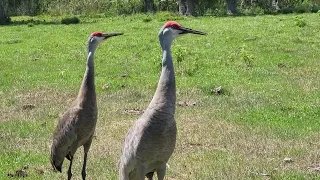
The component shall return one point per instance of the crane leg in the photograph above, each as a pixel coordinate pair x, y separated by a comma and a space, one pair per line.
70, 165
86, 148
161, 171
150, 175
141, 173
83, 173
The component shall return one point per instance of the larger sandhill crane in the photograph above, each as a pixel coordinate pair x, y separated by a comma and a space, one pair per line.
150, 142
77, 125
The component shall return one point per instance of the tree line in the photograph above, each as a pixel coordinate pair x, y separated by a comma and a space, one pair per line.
182, 7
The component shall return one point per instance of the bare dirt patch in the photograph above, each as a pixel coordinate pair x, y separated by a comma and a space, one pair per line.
28, 106
187, 103
19, 173
133, 111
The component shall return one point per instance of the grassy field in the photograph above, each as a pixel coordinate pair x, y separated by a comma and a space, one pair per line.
264, 125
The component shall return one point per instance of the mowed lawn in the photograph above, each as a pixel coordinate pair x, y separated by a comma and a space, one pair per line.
264, 125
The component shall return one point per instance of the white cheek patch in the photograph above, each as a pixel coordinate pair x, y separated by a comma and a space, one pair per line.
174, 33
100, 39
166, 30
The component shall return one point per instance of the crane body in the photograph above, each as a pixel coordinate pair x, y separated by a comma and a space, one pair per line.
77, 125
151, 141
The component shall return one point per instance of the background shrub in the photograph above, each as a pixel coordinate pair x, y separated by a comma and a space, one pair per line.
126, 7
73, 20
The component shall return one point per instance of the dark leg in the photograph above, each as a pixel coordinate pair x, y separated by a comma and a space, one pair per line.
141, 173
161, 171
86, 148
150, 175
84, 166
69, 170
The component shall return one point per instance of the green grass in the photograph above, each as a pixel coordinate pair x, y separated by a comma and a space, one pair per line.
268, 67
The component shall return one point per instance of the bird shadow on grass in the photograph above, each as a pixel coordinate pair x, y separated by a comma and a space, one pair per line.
31, 22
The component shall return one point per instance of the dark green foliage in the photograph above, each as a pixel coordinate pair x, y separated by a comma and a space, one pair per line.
5, 20
30, 24
253, 11
165, 16
73, 20
210, 7
122, 7
22, 7
286, 10
315, 8
300, 9
147, 19
299, 21
268, 108
303, 8
166, 5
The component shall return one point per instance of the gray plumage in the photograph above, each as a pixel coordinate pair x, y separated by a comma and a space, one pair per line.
78, 123
151, 141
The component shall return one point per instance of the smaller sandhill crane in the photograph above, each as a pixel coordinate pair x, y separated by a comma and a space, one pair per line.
77, 125
151, 141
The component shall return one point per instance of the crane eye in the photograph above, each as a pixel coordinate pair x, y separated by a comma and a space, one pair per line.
174, 26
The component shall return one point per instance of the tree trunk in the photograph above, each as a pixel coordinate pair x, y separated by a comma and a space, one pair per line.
182, 7
231, 7
4, 19
186, 7
190, 8
275, 4
148, 6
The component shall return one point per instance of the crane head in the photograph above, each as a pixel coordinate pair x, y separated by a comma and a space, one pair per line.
176, 29
98, 37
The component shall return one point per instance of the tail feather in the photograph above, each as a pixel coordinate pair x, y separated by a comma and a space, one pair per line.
57, 167
55, 162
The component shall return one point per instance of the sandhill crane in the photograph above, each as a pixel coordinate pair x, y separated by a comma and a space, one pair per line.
151, 141
77, 125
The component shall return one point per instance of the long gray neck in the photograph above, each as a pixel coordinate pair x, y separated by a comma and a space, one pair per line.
87, 89
165, 95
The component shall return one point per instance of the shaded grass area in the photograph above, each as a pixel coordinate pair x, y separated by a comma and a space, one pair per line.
268, 110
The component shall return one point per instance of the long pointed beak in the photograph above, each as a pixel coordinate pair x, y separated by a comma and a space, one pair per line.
185, 30
107, 35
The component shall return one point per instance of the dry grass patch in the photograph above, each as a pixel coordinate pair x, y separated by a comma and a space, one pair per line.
32, 104
264, 124
237, 151
208, 146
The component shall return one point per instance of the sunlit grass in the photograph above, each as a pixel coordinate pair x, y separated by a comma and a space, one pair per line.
269, 108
